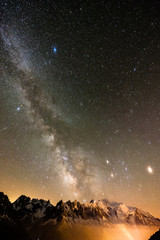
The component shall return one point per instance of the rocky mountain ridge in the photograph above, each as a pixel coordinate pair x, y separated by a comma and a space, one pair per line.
28, 211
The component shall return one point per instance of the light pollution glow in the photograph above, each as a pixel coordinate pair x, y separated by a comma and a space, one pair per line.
119, 232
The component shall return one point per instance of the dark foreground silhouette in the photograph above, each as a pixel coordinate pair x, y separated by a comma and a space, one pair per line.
12, 231
155, 236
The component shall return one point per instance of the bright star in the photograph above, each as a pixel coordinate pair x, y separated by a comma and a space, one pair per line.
112, 175
18, 109
150, 170
54, 49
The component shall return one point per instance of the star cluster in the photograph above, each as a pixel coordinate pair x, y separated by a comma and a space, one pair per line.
80, 93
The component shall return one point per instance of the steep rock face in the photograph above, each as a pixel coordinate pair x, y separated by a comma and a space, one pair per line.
75, 211
29, 211
155, 236
5, 205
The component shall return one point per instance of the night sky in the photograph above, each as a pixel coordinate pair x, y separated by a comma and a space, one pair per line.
80, 100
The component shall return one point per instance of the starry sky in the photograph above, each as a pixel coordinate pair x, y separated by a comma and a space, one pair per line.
79, 100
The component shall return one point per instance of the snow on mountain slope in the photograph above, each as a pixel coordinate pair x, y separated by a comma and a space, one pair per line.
120, 213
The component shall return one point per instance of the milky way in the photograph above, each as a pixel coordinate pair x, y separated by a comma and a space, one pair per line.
69, 164
80, 94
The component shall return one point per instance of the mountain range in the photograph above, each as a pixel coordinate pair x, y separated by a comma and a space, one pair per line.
29, 214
